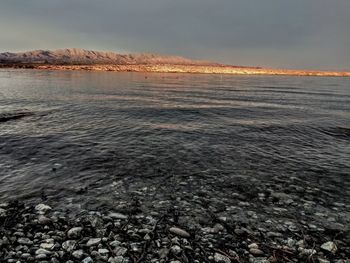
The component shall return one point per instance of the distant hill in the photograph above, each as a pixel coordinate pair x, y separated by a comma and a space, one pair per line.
80, 59
88, 57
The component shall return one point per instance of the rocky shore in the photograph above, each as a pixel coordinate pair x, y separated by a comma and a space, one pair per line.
40, 233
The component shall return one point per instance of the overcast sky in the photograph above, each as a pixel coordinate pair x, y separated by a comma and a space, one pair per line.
274, 33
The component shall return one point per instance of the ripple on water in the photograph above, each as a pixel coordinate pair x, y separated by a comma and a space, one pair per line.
193, 132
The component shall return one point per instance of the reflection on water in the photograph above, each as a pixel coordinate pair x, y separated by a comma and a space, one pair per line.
96, 129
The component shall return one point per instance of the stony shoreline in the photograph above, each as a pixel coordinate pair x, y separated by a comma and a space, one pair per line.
193, 69
40, 233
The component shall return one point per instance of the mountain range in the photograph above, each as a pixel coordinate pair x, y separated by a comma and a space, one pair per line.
81, 59
89, 57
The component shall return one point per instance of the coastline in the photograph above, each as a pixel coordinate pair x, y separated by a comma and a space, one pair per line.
193, 69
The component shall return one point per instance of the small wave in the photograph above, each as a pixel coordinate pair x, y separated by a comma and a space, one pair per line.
8, 116
340, 132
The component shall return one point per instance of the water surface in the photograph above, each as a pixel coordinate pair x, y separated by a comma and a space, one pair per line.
97, 137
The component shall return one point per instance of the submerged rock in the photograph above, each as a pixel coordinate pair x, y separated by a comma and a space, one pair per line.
42, 208
2, 212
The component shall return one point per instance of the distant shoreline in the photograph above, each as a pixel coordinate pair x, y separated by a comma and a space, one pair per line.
170, 68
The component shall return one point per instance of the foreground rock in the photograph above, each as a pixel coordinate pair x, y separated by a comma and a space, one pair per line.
95, 237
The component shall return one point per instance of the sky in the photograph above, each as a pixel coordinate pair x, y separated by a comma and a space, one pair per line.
305, 34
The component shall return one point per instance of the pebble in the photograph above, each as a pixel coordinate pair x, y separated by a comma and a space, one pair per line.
24, 241
217, 228
118, 259
19, 234
307, 252
74, 232
291, 242
179, 232
163, 253
114, 243
43, 220
258, 260
78, 254
274, 234
87, 260
256, 252
42, 208
93, 242
40, 256
103, 251
117, 216
2, 212
69, 245
48, 246
253, 245
120, 251
176, 250
330, 247
219, 258
43, 251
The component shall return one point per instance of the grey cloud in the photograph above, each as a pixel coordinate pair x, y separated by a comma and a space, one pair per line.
298, 33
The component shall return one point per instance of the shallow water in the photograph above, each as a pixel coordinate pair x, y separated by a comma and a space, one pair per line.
96, 137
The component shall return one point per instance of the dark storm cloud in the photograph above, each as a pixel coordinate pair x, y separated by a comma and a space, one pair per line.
298, 33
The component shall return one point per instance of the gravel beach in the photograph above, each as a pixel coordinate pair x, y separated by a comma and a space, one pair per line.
266, 226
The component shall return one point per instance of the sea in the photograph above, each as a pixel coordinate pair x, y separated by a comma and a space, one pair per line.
82, 139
